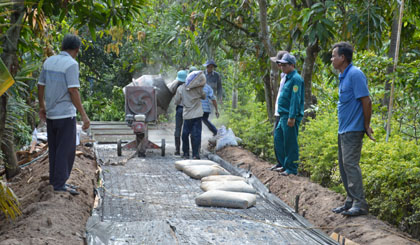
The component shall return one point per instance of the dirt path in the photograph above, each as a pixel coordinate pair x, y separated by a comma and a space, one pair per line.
316, 202
50, 217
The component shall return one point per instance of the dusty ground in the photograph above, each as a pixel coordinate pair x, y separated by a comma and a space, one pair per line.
51, 217
316, 202
59, 218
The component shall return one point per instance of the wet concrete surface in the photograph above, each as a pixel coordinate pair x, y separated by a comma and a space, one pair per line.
147, 201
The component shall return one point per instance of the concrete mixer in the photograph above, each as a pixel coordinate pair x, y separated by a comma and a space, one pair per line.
145, 99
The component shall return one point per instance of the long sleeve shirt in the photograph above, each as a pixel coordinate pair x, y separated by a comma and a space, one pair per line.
215, 82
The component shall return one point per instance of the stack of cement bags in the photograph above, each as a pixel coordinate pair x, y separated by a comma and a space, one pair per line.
221, 188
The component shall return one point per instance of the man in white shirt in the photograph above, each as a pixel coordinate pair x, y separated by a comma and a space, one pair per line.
279, 55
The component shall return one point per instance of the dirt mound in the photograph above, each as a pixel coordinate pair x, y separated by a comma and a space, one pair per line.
50, 217
316, 202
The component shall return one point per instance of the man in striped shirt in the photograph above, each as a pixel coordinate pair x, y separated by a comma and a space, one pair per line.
207, 108
58, 95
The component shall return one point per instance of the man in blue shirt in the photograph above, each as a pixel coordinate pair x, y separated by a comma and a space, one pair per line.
354, 113
207, 108
59, 98
290, 109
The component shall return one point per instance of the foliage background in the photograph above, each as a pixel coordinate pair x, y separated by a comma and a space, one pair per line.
124, 39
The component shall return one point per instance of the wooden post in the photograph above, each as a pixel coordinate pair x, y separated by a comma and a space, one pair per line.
391, 99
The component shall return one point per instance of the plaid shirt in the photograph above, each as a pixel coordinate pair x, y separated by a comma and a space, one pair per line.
209, 96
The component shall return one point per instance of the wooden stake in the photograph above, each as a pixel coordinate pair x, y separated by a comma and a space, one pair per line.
397, 50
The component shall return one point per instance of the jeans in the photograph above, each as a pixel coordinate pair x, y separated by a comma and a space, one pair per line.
178, 121
209, 125
192, 127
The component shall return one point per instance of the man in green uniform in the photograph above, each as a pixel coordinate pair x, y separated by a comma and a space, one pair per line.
290, 109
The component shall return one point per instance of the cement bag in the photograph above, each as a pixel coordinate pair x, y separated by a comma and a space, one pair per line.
200, 171
227, 139
226, 199
235, 186
173, 86
179, 165
223, 178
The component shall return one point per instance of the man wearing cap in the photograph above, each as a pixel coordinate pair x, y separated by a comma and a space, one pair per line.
290, 109
189, 95
180, 79
59, 100
213, 79
278, 166
354, 113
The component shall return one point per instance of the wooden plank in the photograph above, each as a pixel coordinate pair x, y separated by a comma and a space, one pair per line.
342, 240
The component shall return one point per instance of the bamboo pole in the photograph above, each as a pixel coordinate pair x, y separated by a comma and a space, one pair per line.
397, 50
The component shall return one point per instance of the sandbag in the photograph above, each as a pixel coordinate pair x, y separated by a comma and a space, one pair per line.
226, 199
235, 186
200, 171
223, 178
182, 163
227, 139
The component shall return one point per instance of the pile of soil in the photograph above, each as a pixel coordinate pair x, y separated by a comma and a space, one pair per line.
50, 217
316, 202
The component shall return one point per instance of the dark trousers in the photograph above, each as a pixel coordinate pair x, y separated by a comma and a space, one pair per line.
191, 127
178, 121
209, 125
62, 149
349, 152
287, 148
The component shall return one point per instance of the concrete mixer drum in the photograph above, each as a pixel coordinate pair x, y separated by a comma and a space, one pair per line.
141, 100
140, 110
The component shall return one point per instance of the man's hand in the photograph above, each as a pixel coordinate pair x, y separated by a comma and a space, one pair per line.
291, 122
42, 114
217, 114
86, 123
369, 133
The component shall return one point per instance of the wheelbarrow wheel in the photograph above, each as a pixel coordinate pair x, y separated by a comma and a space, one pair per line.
119, 148
162, 147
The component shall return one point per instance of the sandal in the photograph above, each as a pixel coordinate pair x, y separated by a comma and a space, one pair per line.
69, 190
72, 186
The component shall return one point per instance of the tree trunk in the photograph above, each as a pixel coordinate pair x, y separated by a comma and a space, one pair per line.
391, 54
307, 70
10, 59
268, 97
234, 98
273, 81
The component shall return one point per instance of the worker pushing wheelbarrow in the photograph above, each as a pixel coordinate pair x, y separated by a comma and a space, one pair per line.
145, 99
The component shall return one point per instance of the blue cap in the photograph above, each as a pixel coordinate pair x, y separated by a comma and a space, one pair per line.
181, 76
192, 68
210, 62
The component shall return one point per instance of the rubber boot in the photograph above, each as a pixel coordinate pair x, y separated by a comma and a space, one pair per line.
177, 146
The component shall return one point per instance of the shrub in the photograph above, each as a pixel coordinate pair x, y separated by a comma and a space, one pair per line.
391, 170
249, 122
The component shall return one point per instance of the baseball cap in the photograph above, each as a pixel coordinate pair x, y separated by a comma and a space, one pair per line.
287, 59
278, 56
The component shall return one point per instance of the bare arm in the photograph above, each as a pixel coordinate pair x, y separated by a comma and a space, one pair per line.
77, 102
367, 113
42, 112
